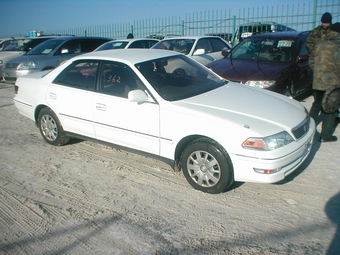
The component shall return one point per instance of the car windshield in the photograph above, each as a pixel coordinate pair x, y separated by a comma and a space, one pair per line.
272, 50
176, 78
18, 45
180, 45
113, 45
45, 48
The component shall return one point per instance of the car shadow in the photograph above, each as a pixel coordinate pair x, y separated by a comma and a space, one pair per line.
303, 96
332, 210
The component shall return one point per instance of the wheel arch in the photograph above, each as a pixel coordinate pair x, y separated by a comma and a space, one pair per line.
181, 146
37, 111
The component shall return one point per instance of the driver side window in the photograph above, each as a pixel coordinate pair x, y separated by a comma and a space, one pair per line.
117, 79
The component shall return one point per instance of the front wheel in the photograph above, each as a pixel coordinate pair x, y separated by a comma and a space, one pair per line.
207, 166
50, 128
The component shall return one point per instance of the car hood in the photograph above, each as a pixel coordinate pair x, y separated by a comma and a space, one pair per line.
265, 112
6, 55
245, 70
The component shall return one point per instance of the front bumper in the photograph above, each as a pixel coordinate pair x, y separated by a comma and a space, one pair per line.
244, 166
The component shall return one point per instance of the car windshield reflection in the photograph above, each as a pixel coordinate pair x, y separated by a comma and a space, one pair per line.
264, 50
17, 45
45, 48
113, 45
176, 78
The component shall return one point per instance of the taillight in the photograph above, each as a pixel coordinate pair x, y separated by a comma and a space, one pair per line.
16, 89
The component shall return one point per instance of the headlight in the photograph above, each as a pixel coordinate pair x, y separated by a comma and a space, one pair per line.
260, 84
268, 143
26, 65
1, 63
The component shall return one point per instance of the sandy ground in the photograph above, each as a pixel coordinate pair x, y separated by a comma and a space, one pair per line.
86, 198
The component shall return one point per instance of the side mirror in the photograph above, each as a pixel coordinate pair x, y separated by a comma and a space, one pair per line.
199, 52
225, 51
138, 96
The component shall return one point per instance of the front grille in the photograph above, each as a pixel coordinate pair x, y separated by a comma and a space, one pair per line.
12, 65
301, 130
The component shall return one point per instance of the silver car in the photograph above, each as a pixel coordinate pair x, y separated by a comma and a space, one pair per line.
19, 46
49, 55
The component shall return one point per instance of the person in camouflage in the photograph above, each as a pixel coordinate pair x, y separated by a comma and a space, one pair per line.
319, 32
325, 63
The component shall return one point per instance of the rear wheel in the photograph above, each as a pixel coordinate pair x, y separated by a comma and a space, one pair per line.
50, 128
207, 166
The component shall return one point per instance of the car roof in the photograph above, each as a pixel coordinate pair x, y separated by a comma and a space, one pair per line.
280, 35
65, 38
133, 39
190, 37
131, 56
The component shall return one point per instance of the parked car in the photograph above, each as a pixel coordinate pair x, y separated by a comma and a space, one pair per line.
145, 43
216, 131
5, 41
18, 47
204, 49
49, 55
273, 61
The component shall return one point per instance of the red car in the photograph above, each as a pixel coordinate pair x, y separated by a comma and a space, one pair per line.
273, 61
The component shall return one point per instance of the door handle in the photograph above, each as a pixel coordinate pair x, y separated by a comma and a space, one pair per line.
101, 107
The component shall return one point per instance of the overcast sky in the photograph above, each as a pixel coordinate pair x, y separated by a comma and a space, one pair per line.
17, 17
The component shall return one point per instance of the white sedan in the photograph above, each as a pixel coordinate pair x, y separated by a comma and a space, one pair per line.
204, 49
164, 103
141, 43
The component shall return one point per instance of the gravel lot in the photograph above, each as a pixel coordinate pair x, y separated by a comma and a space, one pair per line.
86, 198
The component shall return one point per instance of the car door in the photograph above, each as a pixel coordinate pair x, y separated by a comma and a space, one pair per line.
70, 95
120, 121
304, 76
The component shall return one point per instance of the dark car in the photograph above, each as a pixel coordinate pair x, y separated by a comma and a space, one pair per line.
50, 54
273, 61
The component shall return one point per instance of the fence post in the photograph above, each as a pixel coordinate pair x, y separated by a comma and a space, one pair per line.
182, 28
314, 13
233, 31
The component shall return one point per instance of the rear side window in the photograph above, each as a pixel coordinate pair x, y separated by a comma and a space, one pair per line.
80, 74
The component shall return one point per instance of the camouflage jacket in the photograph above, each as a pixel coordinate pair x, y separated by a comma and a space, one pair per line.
325, 62
318, 34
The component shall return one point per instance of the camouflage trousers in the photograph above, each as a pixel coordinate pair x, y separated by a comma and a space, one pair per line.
328, 119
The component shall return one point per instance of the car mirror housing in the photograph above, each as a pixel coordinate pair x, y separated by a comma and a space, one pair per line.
225, 52
137, 95
199, 52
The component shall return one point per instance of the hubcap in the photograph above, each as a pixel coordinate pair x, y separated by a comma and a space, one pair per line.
204, 169
49, 127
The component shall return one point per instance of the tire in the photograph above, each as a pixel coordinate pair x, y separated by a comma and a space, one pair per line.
207, 166
50, 128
